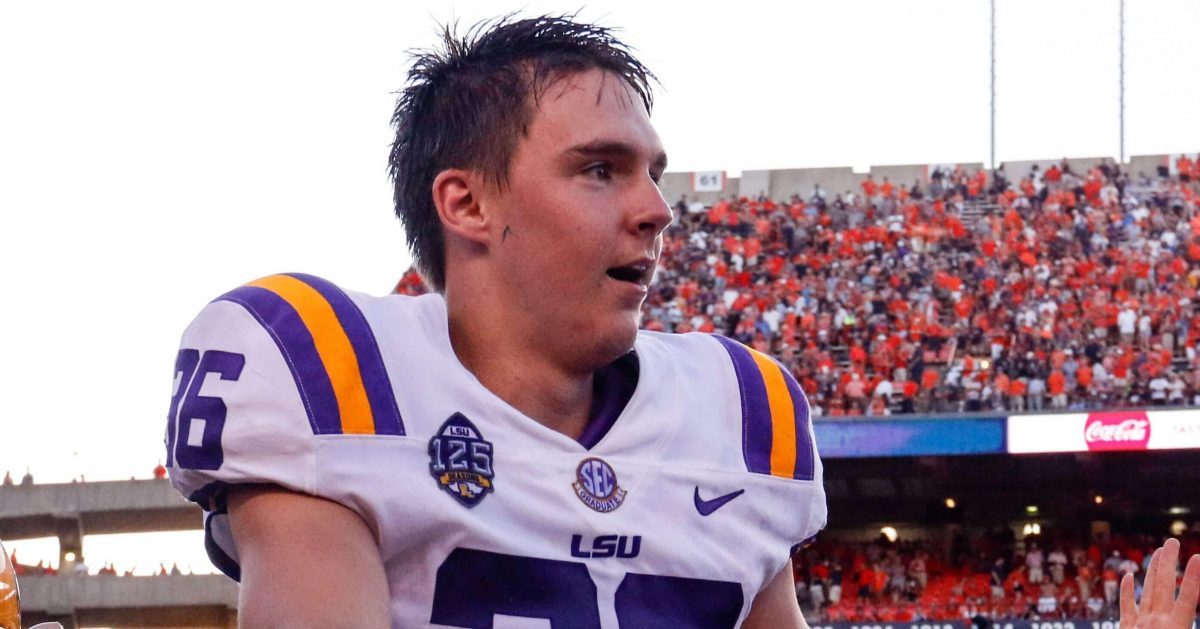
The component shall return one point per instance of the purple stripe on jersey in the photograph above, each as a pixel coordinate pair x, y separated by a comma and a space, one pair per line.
612, 388
295, 343
802, 545
805, 452
756, 410
370, 363
216, 554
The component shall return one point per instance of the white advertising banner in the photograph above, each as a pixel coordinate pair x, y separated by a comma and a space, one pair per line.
708, 181
1101, 431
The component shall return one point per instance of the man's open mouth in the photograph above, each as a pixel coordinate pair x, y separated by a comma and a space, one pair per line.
633, 273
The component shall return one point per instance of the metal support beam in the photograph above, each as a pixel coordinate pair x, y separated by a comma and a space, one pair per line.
992, 142
1122, 81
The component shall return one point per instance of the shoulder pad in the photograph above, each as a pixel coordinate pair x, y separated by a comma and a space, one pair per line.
330, 350
777, 437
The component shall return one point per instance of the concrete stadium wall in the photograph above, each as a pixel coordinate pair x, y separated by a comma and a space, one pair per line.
104, 507
754, 183
784, 183
1146, 164
781, 184
159, 601
111, 496
1079, 165
967, 166
72, 510
677, 185
898, 175
1018, 169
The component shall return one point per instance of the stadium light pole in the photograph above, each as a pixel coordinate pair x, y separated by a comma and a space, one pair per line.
1122, 80
992, 141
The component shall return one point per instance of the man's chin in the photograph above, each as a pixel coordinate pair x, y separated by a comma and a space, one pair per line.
613, 343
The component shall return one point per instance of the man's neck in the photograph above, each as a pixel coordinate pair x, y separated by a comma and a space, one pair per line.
517, 372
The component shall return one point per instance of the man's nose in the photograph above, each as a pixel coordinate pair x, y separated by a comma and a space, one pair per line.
653, 214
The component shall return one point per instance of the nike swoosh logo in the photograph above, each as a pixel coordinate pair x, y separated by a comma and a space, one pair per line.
705, 507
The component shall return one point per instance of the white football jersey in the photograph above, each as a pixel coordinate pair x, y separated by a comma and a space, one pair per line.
674, 509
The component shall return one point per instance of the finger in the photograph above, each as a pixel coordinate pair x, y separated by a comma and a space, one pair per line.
1129, 611
1149, 585
1164, 580
1184, 613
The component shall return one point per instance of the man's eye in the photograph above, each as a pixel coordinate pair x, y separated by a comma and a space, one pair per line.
599, 171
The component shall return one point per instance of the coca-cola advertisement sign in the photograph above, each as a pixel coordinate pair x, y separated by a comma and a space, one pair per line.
1117, 431
1132, 429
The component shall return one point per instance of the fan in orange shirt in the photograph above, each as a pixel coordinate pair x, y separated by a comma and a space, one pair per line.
1056, 385
929, 379
718, 213
887, 188
1016, 394
1184, 165
868, 187
1027, 188
1001, 383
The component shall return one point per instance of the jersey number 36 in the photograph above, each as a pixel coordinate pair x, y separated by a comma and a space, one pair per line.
195, 422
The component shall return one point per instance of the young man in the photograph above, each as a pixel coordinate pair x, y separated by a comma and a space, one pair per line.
510, 448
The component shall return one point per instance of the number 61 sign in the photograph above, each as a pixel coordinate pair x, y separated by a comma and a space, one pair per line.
708, 181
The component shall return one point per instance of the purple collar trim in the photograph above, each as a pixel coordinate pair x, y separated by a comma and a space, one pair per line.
612, 387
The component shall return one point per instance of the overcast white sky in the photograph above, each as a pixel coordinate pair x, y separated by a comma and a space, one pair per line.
155, 154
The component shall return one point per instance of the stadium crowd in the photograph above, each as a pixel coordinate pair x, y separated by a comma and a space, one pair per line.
989, 577
1057, 289
80, 568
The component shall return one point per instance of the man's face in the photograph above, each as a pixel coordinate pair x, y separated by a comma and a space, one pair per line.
582, 217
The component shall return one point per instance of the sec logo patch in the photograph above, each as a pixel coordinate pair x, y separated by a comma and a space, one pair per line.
596, 485
460, 460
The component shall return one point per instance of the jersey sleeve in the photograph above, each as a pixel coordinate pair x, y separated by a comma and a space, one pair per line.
777, 435
263, 374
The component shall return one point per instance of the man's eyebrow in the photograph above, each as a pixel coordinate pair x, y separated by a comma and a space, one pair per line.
615, 148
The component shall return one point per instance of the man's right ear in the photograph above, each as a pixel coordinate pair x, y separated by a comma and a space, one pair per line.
456, 196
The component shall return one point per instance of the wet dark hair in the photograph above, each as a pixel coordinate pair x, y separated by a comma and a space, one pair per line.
466, 104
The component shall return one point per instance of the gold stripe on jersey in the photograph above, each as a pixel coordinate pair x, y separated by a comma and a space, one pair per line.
783, 416
333, 346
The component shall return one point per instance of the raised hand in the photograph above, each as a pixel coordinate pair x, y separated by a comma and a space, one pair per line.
1160, 608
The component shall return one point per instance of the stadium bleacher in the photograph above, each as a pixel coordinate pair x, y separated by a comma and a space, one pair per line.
1063, 288
1040, 287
